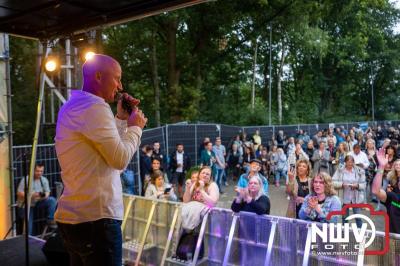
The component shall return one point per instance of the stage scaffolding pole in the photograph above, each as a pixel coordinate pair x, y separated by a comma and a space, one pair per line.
37, 127
6, 57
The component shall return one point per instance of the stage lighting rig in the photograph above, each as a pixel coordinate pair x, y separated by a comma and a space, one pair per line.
86, 43
89, 55
51, 64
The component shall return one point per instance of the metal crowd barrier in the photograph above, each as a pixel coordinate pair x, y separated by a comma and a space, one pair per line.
151, 230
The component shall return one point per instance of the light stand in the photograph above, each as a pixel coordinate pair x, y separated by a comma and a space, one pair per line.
28, 194
26, 218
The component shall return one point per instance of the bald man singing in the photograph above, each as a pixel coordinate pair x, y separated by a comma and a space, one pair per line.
92, 147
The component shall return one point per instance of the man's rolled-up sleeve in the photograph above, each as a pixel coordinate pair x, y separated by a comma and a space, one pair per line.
116, 146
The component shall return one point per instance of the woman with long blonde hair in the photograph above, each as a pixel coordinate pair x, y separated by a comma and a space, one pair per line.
298, 187
393, 177
321, 200
370, 151
341, 153
252, 198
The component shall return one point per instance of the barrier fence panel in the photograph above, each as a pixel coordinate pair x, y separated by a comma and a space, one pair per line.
285, 245
312, 130
46, 154
159, 230
152, 135
256, 238
249, 247
305, 129
206, 130
220, 221
147, 228
394, 257
182, 134
289, 131
251, 130
266, 133
228, 134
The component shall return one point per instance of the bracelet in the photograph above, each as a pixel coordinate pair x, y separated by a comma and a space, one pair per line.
380, 171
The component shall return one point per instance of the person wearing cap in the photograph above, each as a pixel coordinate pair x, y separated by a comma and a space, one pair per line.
255, 167
252, 198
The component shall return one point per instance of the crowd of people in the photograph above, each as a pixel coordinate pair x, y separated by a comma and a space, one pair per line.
94, 146
321, 173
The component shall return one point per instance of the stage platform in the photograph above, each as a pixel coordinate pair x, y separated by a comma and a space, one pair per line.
12, 252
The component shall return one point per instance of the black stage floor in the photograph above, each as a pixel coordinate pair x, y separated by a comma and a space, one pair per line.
12, 252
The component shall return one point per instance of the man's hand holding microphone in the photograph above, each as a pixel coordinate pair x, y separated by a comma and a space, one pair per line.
127, 103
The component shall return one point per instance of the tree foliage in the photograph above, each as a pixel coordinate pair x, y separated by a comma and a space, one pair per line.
197, 62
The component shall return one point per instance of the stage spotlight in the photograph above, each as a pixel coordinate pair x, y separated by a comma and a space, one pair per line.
51, 65
89, 55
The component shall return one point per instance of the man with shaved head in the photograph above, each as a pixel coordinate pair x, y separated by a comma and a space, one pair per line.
92, 147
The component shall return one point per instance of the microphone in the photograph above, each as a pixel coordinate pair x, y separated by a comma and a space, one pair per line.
125, 104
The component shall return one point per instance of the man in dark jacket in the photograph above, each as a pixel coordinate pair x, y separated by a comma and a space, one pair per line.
157, 154
145, 166
179, 164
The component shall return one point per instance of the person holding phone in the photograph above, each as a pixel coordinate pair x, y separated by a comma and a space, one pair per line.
158, 189
360, 158
321, 159
351, 184
295, 156
321, 200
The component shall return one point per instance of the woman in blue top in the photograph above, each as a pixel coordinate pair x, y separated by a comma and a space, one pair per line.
321, 201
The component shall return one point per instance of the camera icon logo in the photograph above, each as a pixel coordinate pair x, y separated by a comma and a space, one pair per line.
338, 234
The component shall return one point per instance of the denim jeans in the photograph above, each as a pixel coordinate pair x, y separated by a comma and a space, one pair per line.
48, 206
128, 182
93, 243
355, 211
279, 174
218, 177
224, 177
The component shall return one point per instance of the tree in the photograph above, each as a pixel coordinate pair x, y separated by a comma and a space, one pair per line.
196, 64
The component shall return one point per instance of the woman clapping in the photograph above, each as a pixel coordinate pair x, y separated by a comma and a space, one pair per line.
251, 198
